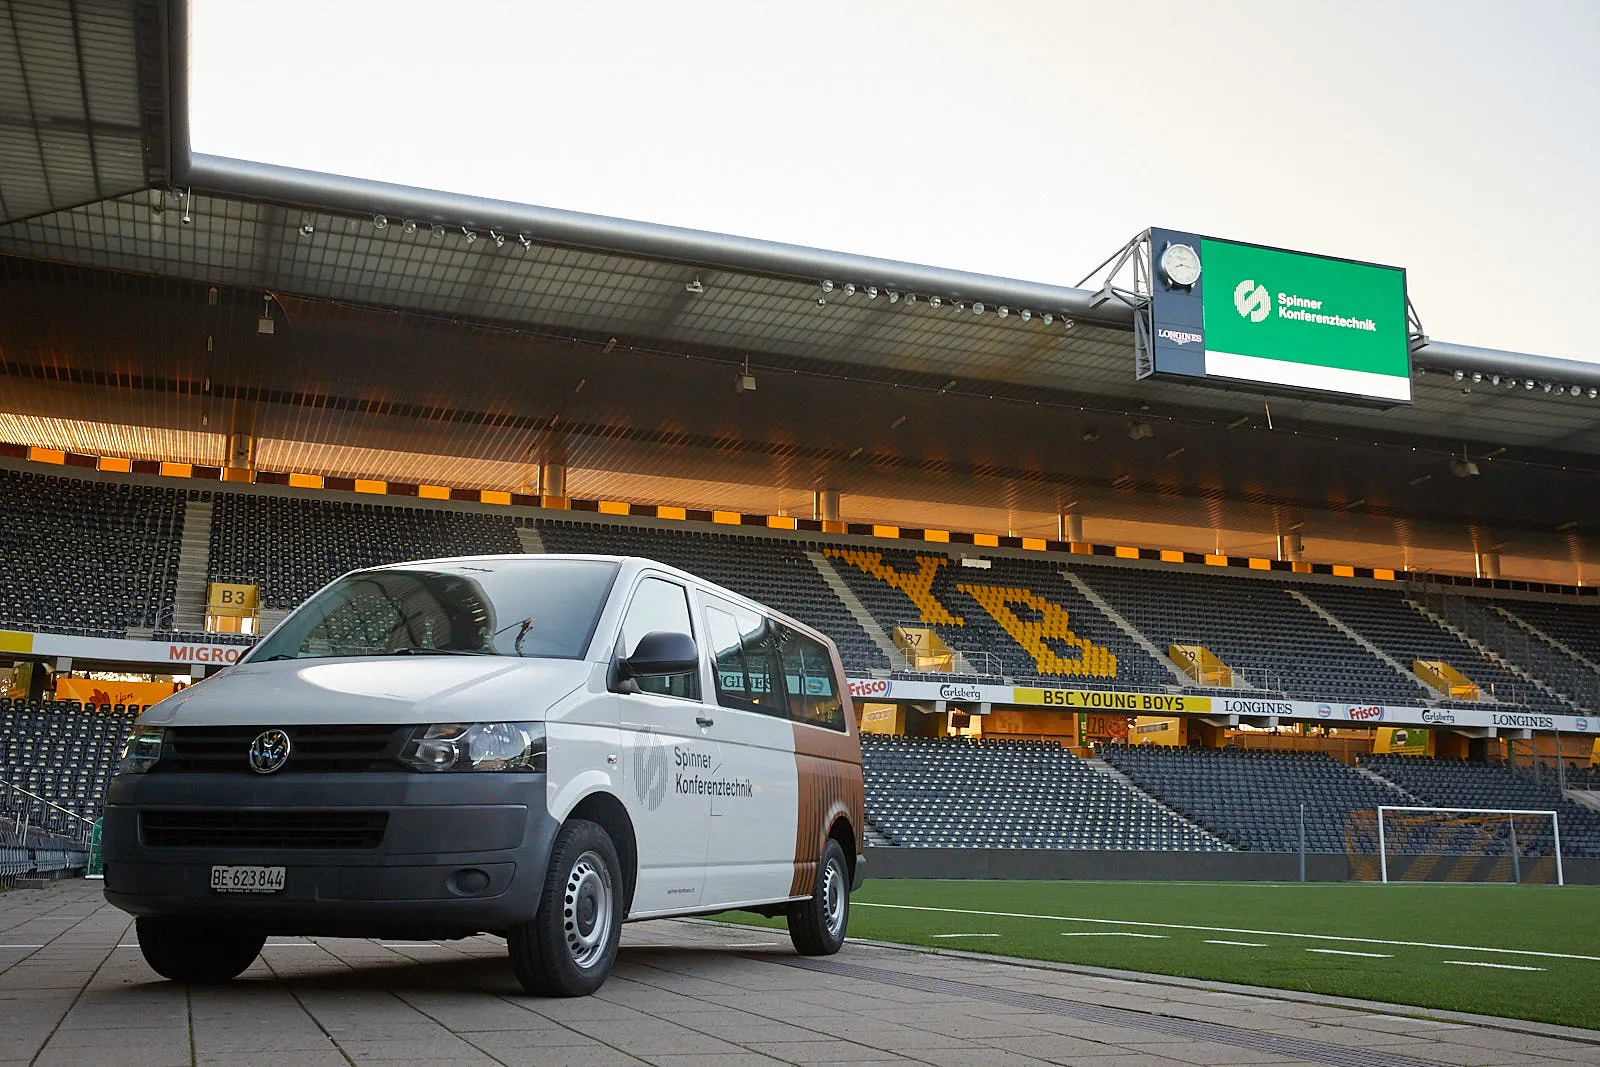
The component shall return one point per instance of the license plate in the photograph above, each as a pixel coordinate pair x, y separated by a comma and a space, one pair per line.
247, 879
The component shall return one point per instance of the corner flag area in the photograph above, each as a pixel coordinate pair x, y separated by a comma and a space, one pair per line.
1528, 952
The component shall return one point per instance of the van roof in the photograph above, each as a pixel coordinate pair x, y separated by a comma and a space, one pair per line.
637, 563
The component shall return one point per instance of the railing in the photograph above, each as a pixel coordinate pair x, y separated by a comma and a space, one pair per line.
22, 814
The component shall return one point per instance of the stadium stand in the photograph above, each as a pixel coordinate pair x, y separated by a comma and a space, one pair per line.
61, 751
291, 546
928, 792
87, 558
773, 572
1459, 784
206, 637
1251, 799
1253, 625
1035, 622
1575, 625
1390, 621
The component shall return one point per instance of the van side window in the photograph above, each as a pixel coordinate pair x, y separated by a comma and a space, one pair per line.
814, 695
745, 657
660, 605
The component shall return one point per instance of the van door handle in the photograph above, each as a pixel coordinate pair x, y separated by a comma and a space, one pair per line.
704, 720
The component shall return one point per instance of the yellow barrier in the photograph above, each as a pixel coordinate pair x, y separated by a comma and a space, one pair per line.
1445, 678
1201, 664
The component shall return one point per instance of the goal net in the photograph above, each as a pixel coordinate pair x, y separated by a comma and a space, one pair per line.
1417, 844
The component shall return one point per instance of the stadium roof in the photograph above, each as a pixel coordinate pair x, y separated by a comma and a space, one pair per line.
95, 171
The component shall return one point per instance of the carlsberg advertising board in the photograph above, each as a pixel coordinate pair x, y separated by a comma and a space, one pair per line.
1242, 314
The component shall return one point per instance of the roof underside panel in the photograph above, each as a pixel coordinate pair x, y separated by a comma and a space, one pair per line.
69, 105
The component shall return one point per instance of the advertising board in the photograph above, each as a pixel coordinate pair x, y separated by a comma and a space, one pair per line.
1250, 316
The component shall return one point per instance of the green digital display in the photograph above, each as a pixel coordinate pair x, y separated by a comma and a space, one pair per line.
1304, 322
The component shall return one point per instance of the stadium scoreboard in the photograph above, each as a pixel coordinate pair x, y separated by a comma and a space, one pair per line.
1247, 316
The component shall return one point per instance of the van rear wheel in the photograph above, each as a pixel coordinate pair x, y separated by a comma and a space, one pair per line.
567, 949
817, 925
186, 950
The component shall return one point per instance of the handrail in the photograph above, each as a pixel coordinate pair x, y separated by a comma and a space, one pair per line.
22, 821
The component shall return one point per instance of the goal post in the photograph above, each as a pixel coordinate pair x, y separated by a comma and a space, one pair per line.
1469, 844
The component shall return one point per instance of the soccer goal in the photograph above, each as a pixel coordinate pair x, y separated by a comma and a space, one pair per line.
1469, 845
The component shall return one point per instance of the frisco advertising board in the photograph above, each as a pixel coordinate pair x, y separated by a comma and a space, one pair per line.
1244, 315
1246, 706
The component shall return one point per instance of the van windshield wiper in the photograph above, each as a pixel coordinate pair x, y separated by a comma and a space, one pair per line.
417, 650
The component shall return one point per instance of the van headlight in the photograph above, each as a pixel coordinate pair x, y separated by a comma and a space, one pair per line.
142, 749
480, 746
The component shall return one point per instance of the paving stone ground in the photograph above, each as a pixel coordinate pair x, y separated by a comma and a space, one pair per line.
74, 990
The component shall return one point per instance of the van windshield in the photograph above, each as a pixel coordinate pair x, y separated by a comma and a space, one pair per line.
518, 607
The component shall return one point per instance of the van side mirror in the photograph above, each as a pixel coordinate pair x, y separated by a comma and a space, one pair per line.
661, 653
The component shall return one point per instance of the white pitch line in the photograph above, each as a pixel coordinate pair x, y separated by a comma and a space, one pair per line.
1112, 933
1342, 952
21, 946
1496, 966
751, 944
399, 944
1241, 944
964, 935
1229, 930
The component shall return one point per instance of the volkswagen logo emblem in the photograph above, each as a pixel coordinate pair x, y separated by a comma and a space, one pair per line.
269, 751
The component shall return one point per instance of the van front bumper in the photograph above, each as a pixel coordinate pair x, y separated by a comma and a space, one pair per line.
440, 855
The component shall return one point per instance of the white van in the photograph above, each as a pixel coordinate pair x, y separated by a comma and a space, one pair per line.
543, 747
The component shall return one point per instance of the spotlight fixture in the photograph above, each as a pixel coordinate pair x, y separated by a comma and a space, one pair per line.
849, 288
977, 307
911, 298
1066, 323
307, 228
1419, 481
1025, 314
188, 219
947, 386
827, 285
854, 452
744, 381
437, 231
872, 292
1002, 311
822, 301
958, 306
1476, 377
1574, 391
526, 244
1529, 384
1458, 375
1047, 318
894, 297
1547, 387
499, 239
1511, 383
1463, 468
469, 235
1494, 379
934, 302
380, 221
694, 286
1593, 392
409, 226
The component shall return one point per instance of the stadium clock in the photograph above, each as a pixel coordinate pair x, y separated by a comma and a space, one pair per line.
1181, 265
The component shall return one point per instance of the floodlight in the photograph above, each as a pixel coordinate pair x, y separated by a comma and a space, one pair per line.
694, 286
1458, 375
827, 285
911, 298
498, 238
894, 297
1047, 318
849, 288
469, 235
307, 228
1002, 311
934, 302
1529, 384
409, 226
1574, 391
1025, 314
977, 307
437, 231
872, 292
1547, 387
380, 221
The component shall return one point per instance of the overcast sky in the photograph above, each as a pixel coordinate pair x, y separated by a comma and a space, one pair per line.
1455, 138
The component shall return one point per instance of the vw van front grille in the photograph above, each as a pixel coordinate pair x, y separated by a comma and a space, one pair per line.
263, 829
311, 748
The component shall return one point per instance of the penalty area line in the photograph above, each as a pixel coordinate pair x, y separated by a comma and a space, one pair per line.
1231, 930
1496, 966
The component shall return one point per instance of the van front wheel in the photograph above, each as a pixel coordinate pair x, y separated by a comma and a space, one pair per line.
567, 949
185, 950
817, 925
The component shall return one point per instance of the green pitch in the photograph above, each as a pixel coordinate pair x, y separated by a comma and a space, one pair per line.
1424, 945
